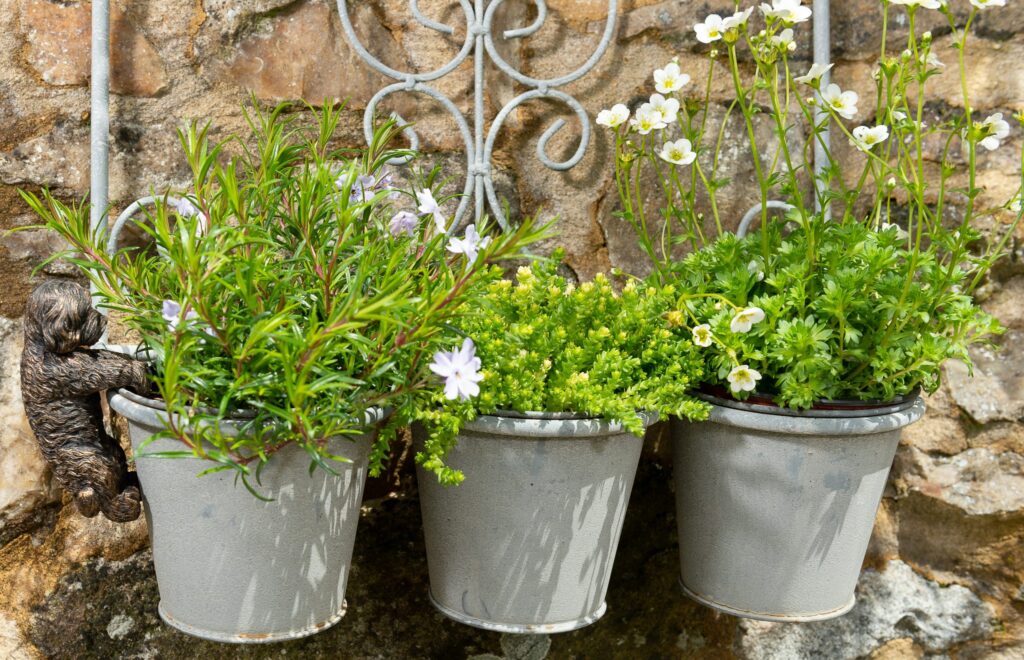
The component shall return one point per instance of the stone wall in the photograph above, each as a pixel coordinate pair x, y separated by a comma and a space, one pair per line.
945, 569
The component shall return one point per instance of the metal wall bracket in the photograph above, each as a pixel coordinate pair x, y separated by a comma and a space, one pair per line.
479, 142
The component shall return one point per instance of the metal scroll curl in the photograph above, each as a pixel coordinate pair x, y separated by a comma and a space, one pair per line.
479, 16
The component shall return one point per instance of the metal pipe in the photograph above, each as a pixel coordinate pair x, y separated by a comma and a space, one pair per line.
822, 55
99, 127
99, 116
100, 113
755, 212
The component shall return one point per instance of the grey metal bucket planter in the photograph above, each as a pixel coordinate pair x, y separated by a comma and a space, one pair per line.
232, 568
526, 543
775, 508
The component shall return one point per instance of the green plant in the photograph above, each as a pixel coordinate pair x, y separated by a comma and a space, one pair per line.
285, 284
849, 333
871, 287
546, 345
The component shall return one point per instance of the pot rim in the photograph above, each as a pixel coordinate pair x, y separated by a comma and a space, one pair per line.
539, 425
159, 404
153, 412
829, 408
776, 423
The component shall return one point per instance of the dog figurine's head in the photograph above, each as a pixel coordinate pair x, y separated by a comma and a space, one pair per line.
60, 315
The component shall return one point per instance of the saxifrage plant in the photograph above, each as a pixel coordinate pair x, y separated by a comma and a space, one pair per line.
865, 285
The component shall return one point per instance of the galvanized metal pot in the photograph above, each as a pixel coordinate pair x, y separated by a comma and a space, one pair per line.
233, 568
526, 543
775, 508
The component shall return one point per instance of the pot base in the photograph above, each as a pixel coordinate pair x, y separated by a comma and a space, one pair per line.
763, 616
250, 638
520, 628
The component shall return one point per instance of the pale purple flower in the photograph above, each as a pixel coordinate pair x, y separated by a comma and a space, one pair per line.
429, 206
187, 209
363, 189
470, 245
404, 223
461, 371
366, 187
172, 314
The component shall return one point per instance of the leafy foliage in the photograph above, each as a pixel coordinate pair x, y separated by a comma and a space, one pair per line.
278, 289
863, 318
872, 289
547, 345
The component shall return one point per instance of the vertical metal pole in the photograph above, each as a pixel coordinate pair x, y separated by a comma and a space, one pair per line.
100, 112
479, 55
99, 116
822, 55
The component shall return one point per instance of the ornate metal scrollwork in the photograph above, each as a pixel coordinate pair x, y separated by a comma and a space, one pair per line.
479, 142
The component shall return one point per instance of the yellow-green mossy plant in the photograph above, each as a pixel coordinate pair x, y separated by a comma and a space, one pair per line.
542, 344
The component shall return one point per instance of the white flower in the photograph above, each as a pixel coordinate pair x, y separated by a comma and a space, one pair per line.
754, 267
844, 103
1015, 205
736, 20
927, 4
702, 335
811, 77
785, 39
668, 108
743, 378
899, 115
789, 11
404, 223
648, 119
429, 206
670, 79
933, 61
613, 118
995, 129
865, 137
679, 152
461, 371
901, 233
710, 30
470, 244
746, 318
985, 4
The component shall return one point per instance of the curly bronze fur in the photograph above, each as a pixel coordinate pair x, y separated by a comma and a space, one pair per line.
61, 382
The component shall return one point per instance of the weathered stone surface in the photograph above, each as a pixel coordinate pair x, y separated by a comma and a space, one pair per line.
1005, 304
940, 430
57, 159
301, 53
977, 481
996, 392
13, 644
57, 40
945, 535
903, 648
895, 603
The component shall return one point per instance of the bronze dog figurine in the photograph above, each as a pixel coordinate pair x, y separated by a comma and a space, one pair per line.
61, 382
